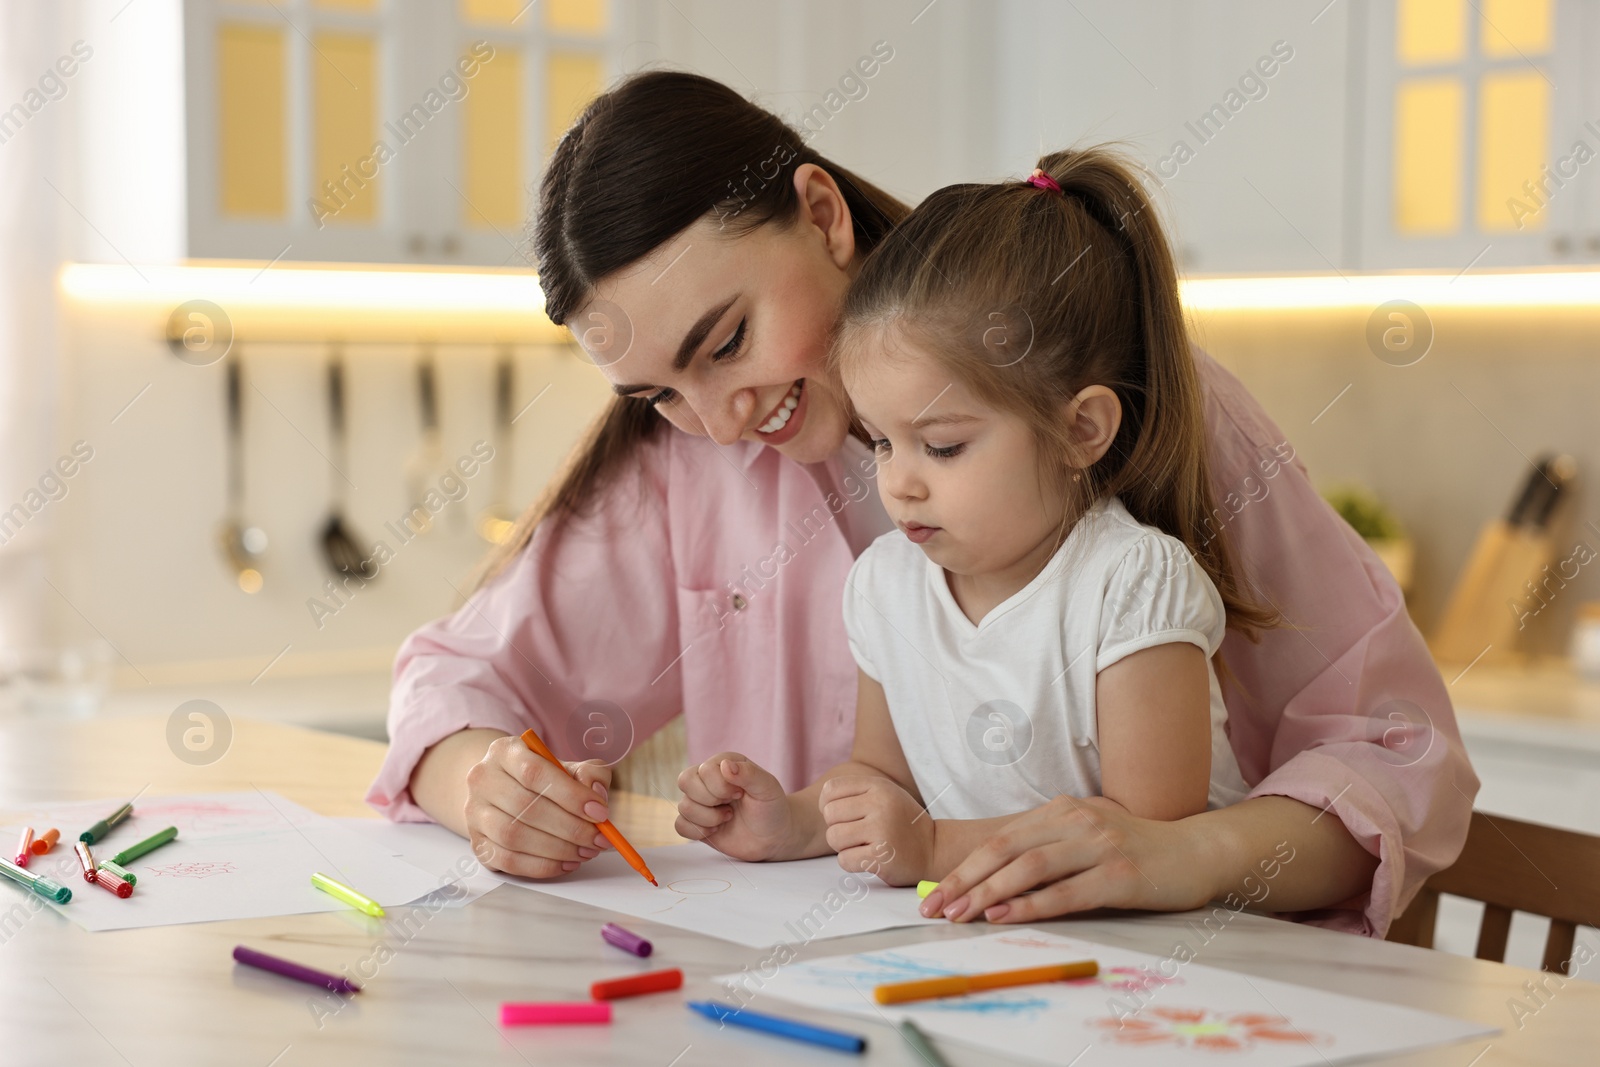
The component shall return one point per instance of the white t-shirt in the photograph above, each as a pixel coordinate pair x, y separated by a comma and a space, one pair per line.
999, 717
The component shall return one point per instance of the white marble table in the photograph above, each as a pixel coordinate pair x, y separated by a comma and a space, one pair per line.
173, 996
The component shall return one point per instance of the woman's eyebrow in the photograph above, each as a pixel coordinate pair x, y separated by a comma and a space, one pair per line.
691, 341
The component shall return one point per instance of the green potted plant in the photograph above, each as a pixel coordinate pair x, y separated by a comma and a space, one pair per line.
1377, 525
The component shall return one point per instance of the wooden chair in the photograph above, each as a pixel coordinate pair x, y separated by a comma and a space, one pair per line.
1514, 866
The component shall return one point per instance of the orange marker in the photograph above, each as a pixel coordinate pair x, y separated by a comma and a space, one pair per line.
47, 842
958, 984
612, 834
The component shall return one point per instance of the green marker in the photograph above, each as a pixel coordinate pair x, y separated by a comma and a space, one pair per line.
149, 844
38, 883
921, 1045
103, 827
120, 871
924, 888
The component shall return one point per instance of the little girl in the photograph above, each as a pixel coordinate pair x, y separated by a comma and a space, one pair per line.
1044, 619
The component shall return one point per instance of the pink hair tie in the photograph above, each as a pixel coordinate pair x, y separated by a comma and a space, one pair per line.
1040, 180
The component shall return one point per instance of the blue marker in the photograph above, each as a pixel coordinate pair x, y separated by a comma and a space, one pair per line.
771, 1024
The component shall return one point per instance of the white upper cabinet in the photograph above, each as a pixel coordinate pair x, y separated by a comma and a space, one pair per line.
1304, 136
382, 130
1480, 149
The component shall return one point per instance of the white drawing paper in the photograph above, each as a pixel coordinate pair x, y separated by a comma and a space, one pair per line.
1139, 1011
441, 852
237, 856
755, 904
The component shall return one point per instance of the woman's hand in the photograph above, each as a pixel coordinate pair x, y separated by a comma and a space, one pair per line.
526, 816
1084, 853
875, 825
737, 808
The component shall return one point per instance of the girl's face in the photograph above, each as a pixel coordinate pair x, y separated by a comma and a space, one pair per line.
964, 481
729, 335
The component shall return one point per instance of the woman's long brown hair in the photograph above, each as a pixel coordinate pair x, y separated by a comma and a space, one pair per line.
646, 160
1027, 296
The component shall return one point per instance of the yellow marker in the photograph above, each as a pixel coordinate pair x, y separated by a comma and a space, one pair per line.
924, 888
346, 894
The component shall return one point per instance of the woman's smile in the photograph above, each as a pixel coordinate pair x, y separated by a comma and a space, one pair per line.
783, 422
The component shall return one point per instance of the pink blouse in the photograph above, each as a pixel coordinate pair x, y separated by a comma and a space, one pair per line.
709, 582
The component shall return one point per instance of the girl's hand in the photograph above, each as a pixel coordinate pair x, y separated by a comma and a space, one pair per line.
876, 826
737, 808
527, 817
1085, 853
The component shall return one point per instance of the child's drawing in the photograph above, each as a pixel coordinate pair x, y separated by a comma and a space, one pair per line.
1027, 942
696, 887
209, 817
1205, 1029
1130, 979
693, 887
197, 869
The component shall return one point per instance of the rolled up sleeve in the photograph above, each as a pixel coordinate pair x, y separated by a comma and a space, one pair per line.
1341, 708
585, 612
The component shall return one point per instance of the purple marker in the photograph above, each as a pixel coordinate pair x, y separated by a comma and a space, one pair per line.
626, 940
250, 957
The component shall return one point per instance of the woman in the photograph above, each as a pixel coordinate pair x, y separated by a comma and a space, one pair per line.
691, 561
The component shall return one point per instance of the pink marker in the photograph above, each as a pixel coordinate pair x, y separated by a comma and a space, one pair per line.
25, 846
552, 1013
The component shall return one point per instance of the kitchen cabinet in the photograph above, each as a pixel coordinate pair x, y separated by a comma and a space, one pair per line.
1481, 139
1234, 109
1390, 134
382, 130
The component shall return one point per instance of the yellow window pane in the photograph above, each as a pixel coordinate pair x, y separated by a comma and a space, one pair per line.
1513, 127
493, 12
1516, 27
1431, 31
1428, 129
346, 5
492, 143
575, 16
344, 92
572, 79
251, 113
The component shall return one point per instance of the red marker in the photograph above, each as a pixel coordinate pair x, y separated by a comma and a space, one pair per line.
111, 883
654, 982
85, 860
47, 842
25, 846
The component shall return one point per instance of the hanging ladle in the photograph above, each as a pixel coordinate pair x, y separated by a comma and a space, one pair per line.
242, 545
338, 545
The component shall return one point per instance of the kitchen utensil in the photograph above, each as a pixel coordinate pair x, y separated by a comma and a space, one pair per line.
426, 464
339, 547
1485, 611
242, 545
496, 521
